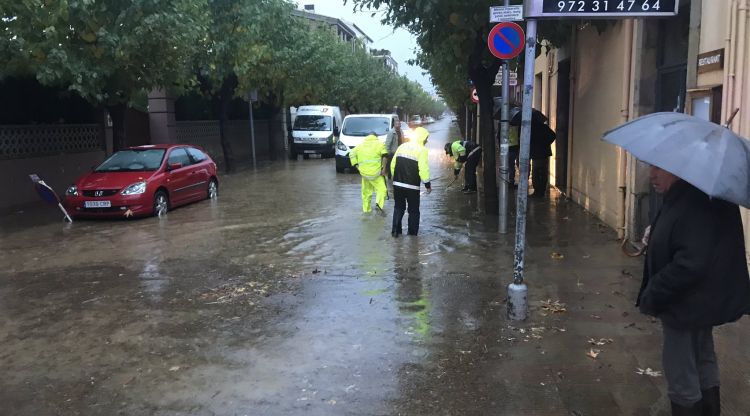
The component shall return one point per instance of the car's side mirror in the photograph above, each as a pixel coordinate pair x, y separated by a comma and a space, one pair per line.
336, 131
173, 166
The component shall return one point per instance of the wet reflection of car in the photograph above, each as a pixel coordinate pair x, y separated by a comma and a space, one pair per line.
142, 181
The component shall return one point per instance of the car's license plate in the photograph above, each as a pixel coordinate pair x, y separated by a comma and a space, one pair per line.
310, 151
97, 204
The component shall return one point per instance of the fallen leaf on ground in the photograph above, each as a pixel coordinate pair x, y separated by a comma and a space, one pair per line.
648, 372
592, 353
596, 316
556, 256
600, 341
174, 368
554, 306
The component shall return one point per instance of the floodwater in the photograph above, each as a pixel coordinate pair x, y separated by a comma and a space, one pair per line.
283, 298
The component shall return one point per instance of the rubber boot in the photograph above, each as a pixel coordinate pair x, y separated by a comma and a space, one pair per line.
398, 215
694, 410
711, 403
413, 223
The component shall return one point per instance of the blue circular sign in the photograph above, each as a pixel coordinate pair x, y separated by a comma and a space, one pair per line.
506, 40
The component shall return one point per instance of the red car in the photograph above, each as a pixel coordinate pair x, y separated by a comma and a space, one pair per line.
144, 180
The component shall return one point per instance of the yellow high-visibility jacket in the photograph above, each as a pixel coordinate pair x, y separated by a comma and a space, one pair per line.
457, 150
369, 157
409, 166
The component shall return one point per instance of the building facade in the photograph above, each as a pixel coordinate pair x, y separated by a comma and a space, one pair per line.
697, 62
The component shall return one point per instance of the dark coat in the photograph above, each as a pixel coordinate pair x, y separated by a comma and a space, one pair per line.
541, 140
695, 274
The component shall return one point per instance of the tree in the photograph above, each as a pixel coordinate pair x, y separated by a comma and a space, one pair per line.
108, 51
239, 45
453, 37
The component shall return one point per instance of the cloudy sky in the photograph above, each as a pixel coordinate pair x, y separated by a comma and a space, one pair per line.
400, 42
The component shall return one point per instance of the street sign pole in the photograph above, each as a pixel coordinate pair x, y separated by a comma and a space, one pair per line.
252, 96
503, 191
517, 291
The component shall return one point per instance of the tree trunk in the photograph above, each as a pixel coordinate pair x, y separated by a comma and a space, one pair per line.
224, 100
117, 114
483, 78
276, 103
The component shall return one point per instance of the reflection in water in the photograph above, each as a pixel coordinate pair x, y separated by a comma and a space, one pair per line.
413, 299
153, 282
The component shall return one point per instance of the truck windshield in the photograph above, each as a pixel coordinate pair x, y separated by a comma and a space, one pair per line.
362, 126
312, 123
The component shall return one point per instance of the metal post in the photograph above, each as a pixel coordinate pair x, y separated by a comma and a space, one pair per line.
466, 122
502, 195
517, 304
252, 128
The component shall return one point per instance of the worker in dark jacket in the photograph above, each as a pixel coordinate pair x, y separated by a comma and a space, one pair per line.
695, 277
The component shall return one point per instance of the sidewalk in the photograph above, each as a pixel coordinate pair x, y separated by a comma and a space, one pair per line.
585, 350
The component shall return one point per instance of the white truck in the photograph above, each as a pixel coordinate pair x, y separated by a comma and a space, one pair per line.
315, 130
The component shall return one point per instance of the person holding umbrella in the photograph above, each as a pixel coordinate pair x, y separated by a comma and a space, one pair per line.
542, 137
695, 275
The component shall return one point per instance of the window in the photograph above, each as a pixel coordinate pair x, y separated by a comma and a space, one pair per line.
312, 123
133, 161
196, 155
705, 103
362, 126
179, 156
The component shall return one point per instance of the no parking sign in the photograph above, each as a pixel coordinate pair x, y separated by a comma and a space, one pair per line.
506, 40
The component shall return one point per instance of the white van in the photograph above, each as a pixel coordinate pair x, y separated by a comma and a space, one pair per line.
354, 130
315, 130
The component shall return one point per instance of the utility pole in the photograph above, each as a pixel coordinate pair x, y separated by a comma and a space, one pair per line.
517, 291
502, 195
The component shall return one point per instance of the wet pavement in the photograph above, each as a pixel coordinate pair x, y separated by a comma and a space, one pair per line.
282, 298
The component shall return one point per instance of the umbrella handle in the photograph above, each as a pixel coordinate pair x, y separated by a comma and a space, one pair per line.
729, 122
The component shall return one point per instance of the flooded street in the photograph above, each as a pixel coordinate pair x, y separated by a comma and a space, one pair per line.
283, 298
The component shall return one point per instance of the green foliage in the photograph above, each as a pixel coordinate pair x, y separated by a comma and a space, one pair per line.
108, 51
113, 52
447, 32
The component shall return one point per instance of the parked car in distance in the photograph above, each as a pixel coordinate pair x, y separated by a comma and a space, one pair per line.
354, 130
429, 119
415, 121
315, 130
144, 180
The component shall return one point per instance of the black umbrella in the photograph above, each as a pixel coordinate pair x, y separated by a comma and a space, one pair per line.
536, 117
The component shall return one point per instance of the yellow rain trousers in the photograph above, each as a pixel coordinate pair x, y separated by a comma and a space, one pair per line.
370, 185
368, 157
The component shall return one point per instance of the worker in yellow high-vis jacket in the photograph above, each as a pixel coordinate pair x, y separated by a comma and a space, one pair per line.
369, 158
409, 168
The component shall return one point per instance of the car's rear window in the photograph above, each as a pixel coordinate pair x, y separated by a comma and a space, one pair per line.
362, 126
133, 160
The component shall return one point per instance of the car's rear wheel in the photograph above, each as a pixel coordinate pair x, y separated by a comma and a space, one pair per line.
213, 189
161, 203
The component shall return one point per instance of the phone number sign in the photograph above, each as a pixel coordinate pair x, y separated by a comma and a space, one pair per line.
540, 9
